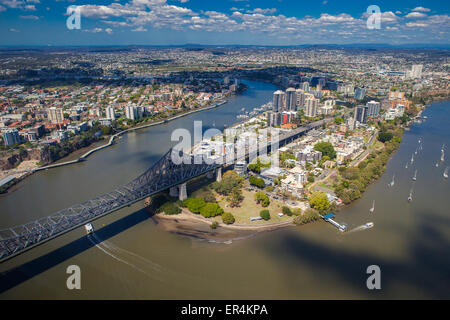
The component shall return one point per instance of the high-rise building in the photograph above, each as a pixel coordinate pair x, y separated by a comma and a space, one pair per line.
305, 86
361, 114
131, 112
55, 115
373, 108
273, 119
278, 101
360, 93
311, 106
11, 137
416, 71
291, 99
110, 114
300, 95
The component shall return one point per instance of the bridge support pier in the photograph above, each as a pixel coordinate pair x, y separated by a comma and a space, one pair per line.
219, 174
183, 192
174, 192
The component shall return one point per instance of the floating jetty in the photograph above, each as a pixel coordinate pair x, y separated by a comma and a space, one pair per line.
329, 218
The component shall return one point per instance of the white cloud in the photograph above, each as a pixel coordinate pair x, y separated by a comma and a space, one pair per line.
263, 11
416, 24
139, 29
421, 9
29, 17
141, 15
415, 15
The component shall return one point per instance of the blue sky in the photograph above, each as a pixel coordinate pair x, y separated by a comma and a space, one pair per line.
256, 22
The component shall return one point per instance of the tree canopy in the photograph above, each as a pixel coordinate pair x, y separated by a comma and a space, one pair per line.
211, 210
228, 218
265, 214
319, 201
326, 148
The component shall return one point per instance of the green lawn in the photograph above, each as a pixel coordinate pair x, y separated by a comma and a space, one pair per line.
249, 208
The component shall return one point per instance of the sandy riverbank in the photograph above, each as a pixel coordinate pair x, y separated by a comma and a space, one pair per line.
196, 226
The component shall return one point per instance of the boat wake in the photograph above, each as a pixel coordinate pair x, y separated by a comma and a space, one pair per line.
360, 228
120, 255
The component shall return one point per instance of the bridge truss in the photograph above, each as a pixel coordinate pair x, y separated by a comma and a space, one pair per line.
162, 175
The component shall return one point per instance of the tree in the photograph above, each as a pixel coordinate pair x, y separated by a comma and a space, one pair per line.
228, 218
262, 198
385, 136
307, 217
169, 208
338, 120
265, 214
214, 225
229, 181
211, 210
326, 148
235, 197
259, 182
194, 204
319, 200
286, 210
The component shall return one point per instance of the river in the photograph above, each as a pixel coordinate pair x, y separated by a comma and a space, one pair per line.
130, 257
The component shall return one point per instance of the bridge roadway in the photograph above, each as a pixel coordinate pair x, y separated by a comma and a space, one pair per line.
164, 174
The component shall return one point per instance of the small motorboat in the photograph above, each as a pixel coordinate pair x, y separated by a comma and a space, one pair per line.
446, 173
368, 225
415, 176
373, 207
89, 228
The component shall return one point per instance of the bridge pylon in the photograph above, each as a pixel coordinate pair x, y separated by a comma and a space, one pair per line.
182, 191
219, 174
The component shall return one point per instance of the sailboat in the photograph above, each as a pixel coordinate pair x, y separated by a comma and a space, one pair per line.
392, 182
415, 176
446, 173
373, 207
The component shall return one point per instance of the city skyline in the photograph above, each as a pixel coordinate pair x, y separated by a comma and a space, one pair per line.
230, 22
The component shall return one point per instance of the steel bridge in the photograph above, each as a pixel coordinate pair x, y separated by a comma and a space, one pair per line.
163, 175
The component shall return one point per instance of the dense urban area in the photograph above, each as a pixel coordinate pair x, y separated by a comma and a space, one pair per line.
66, 104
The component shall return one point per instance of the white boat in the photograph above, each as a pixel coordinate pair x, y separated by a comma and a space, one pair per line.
392, 182
412, 159
442, 156
415, 176
89, 228
368, 225
410, 195
437, 164
373, 207
446, 173
415, 152
406, 166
